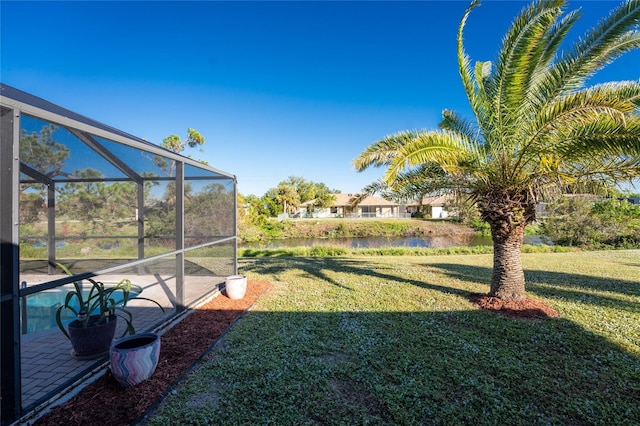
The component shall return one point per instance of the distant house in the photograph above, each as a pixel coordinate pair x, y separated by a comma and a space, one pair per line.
436, 207
369, 207
543, 208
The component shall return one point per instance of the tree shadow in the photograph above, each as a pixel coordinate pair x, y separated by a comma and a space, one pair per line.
317, 268
542, 283
422, 367
559, 285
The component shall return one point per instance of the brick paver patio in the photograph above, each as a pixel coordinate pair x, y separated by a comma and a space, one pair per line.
47, 361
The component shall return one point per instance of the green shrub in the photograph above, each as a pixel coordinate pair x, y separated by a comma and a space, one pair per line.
580, 222
326, 251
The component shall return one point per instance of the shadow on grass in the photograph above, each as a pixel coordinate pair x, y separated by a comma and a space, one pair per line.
453, 367
542, 283
318, 267
559, 285
422, 367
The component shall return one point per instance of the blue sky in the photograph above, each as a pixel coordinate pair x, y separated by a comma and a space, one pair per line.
278, 89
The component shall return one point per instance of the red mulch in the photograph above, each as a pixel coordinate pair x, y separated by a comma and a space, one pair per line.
527, 308
105, 402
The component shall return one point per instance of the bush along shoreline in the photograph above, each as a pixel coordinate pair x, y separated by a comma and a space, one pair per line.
351, 228
333, 251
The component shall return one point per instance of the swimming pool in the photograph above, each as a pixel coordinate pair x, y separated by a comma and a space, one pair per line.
41, 307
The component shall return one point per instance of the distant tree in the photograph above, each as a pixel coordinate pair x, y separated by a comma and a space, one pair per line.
537, 126
207, 212
306, 190
289, 194
254, 209
160, 215
175, 144
269, 205
42, 152
32, 205
591, 223
103, 204
324, 197
409, 186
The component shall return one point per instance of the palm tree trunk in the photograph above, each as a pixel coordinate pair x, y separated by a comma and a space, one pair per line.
507, 281
508, 214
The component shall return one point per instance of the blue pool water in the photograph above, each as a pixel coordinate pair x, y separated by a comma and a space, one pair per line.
42, 307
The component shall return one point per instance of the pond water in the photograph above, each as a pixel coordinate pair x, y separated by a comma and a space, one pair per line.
39, 244
382, 242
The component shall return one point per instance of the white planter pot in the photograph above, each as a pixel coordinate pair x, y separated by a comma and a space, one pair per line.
235, 286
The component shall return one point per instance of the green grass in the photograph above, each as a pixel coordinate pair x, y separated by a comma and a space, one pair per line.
393, 340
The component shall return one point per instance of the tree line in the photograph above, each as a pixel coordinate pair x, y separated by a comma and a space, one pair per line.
285, 198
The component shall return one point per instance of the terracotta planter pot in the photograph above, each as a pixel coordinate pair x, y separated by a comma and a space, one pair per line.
92, 341
235, 286
134, 358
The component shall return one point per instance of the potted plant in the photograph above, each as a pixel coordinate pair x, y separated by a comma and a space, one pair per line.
96, 311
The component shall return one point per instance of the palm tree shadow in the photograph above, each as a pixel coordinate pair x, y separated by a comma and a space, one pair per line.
572, 287
561, 355
317, 268
458, 358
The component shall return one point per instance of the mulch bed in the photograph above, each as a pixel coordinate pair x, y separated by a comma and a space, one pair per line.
527, 308
105, 402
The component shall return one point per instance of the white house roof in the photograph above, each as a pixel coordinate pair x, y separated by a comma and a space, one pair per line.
434, 201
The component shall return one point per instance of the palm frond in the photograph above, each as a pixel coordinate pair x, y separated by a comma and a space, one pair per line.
367, 191
425, 179
607, 171
541, 90
615, 99
601, 138
455, 123
523, 47
412, 184
556, 34
536, 124
446, 148
382, 152
611, 38
476, 98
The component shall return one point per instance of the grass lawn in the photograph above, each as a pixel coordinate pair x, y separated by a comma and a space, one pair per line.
394, 340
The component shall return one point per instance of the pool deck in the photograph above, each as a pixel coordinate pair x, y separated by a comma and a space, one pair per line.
47, 361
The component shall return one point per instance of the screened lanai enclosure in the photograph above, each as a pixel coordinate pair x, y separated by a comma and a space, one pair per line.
106, 205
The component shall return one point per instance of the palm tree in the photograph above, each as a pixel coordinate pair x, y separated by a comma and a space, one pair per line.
287, 196
537, 126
